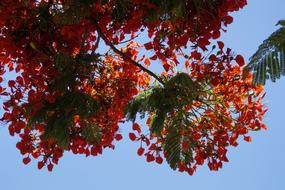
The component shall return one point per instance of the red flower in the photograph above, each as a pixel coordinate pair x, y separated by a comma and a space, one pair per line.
118, 137
158, 160
26, 160
132, 136
140, 151
240, 60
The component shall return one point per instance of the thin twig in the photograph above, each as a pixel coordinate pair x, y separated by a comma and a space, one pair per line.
126, 57
129, 39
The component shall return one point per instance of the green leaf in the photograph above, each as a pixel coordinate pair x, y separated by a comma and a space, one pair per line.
57, 129
167, 105
157, 123
269, 58
58, 116
139, 104
173, 141
173, 148
178, 91
92, 134
282, 60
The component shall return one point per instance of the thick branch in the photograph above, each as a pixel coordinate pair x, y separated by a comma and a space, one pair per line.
126, 57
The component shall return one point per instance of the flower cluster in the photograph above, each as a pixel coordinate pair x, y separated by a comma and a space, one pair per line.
227, 106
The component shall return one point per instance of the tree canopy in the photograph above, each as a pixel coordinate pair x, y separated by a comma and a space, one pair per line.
85, 66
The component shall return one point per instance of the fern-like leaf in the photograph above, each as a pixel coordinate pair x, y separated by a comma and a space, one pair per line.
269, 60
167, 106
178, 91
174, 153
172, 148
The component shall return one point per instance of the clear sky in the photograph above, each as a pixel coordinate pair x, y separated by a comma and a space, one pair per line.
256, 166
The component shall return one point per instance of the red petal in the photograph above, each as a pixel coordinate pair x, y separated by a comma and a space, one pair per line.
148, 46
240, 60
132, 136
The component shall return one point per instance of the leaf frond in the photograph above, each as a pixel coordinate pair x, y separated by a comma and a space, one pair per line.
268, 60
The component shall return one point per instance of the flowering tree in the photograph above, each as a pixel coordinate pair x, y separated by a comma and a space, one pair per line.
84, 66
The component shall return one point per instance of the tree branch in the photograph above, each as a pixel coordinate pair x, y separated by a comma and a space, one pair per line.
126, 57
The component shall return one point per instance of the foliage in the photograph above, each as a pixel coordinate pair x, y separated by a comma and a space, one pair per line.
203, 118
269, 59
71, 92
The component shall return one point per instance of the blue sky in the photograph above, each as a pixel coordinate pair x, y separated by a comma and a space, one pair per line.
257, 165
